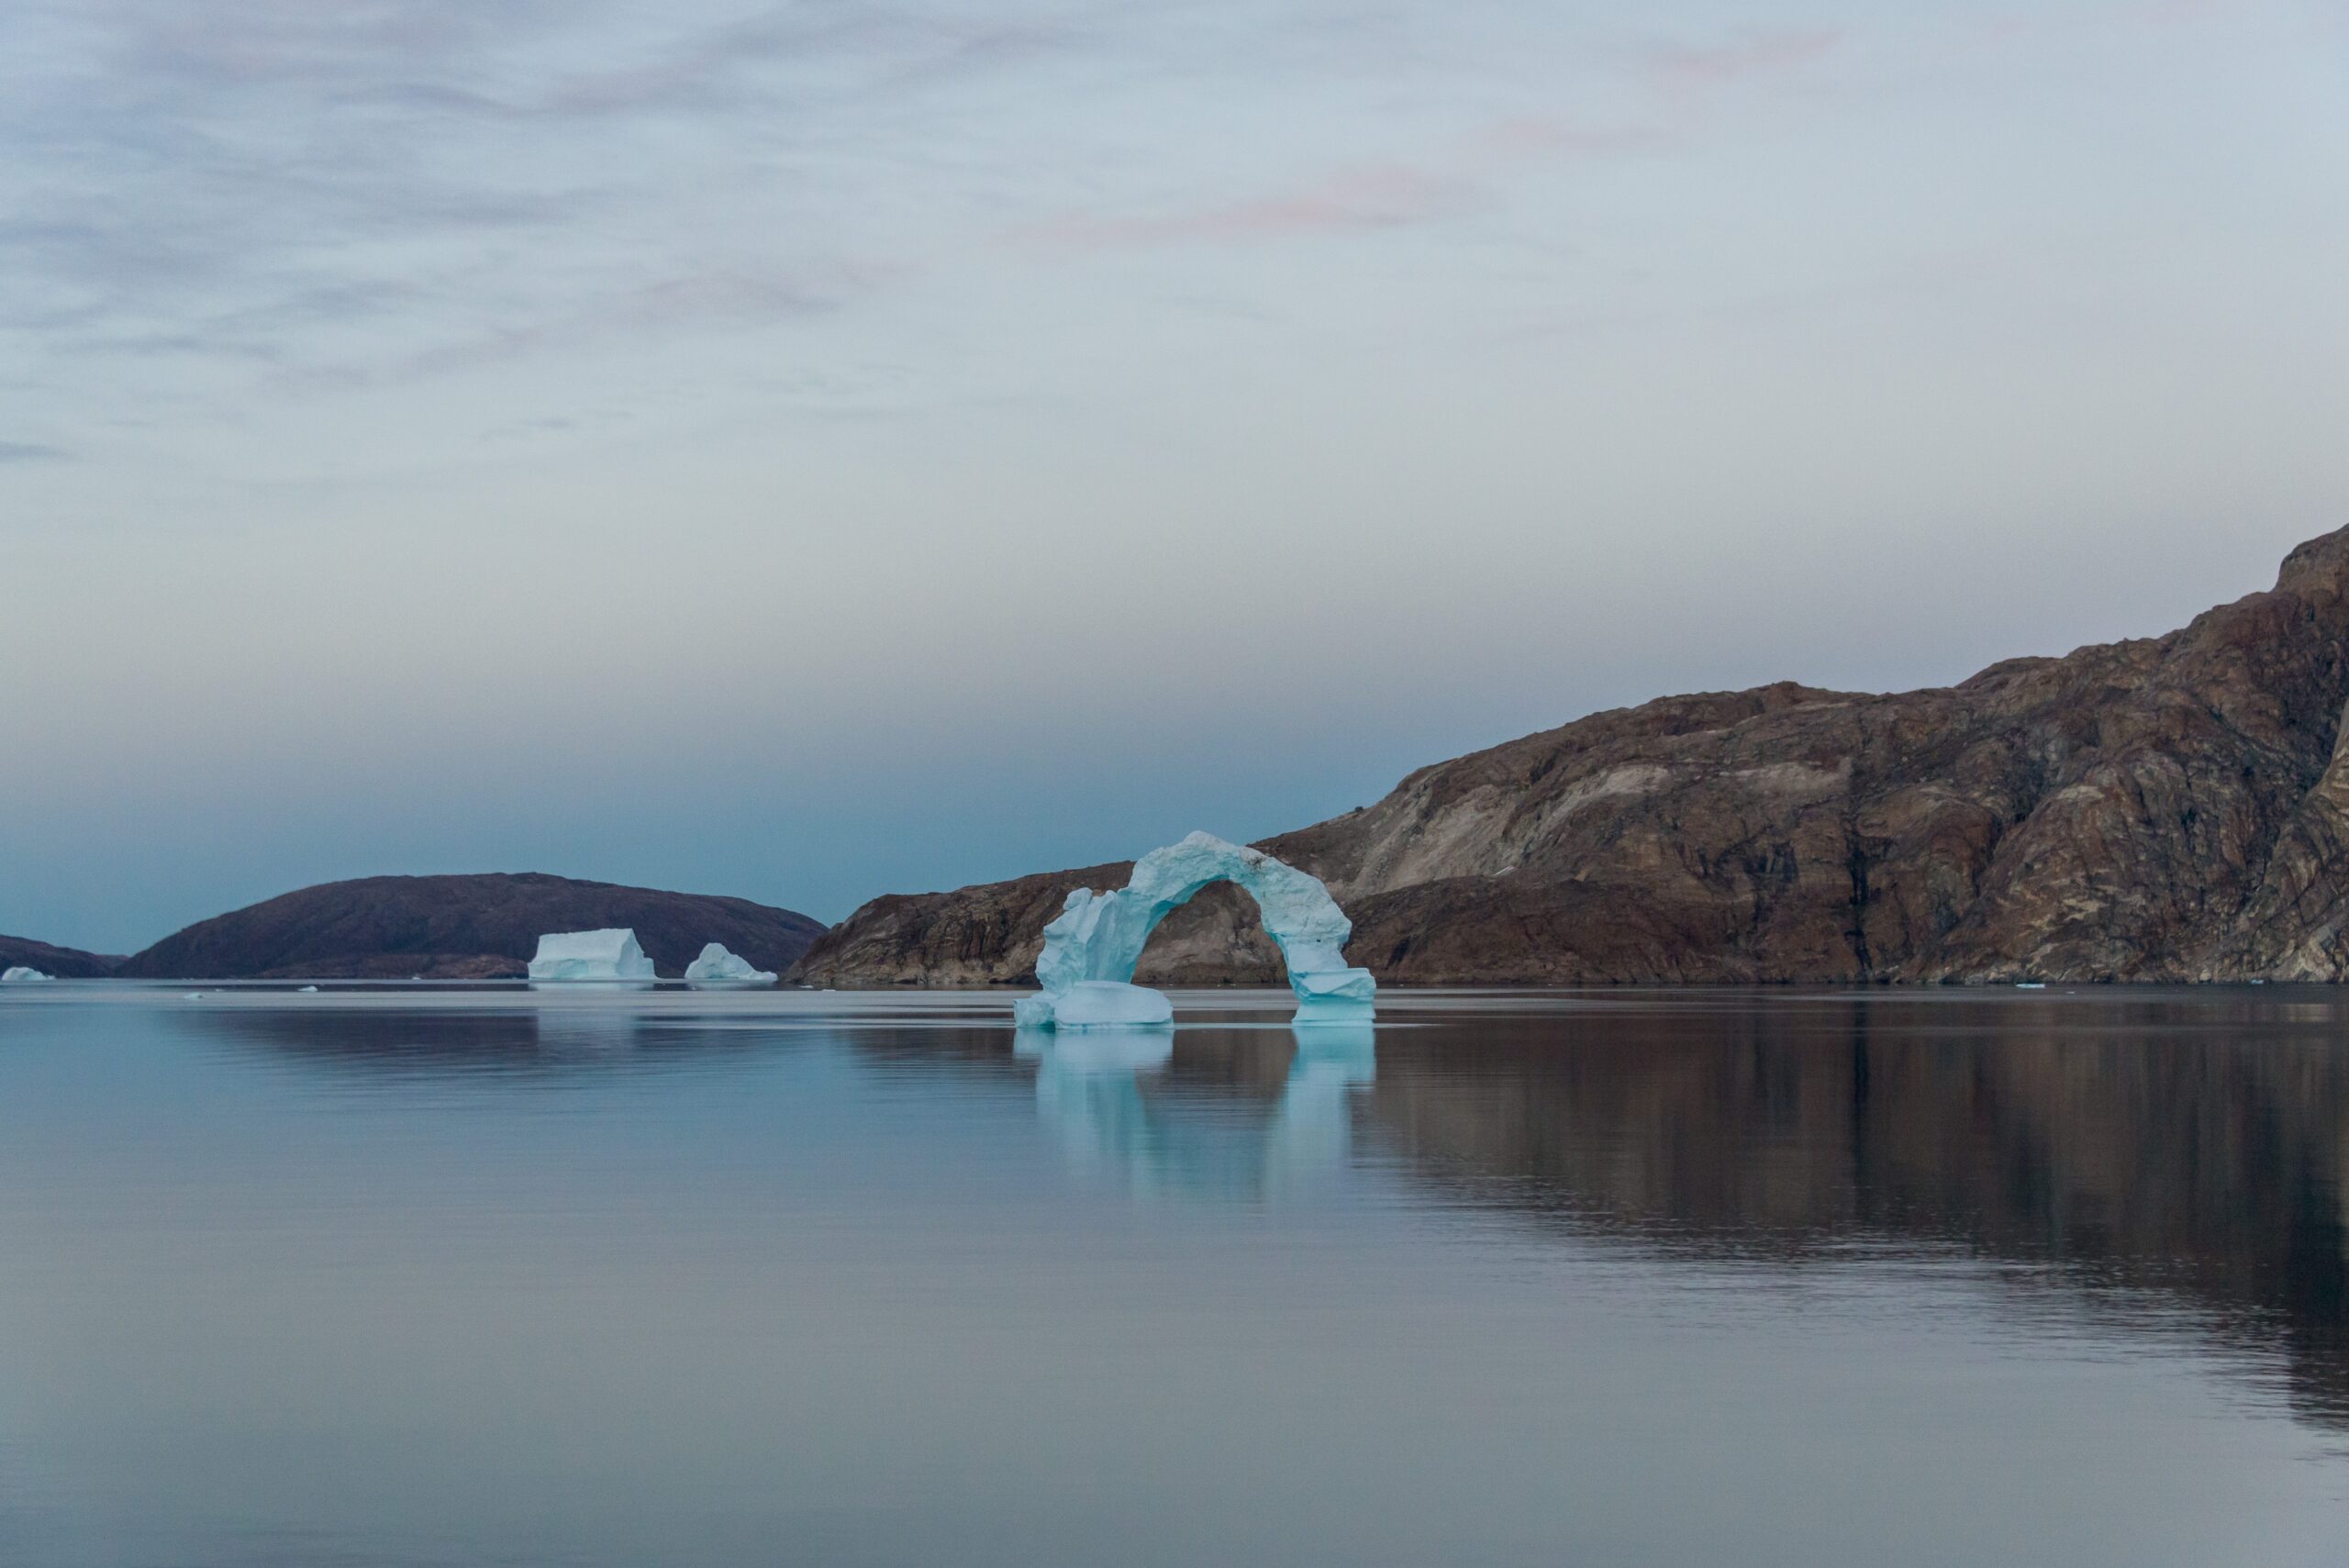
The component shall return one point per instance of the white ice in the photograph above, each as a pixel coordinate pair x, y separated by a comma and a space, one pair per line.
1098, 938
717, 966
1096, 1003
21, 975
575, 956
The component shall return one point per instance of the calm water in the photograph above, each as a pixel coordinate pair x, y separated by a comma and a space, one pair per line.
457, 1277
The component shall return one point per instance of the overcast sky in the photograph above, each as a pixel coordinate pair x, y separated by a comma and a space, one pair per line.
814, 449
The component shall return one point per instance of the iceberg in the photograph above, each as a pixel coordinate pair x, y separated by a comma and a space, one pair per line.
1086, 968
572, 957
1095, 1005
717, 966
21, 975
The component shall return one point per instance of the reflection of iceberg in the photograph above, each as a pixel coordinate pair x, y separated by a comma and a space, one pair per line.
587, 1028
718, 967
1108, 1093
21, 975
1086, 968
609, 957
1316, 1129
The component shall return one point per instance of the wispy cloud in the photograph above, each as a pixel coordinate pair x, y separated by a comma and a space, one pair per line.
31, 451
1453, 179
1744, 58
696, 301
1373, 197
265, 181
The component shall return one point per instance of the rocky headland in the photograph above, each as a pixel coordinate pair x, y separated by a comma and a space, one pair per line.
2168, 808
60, 964
460, 927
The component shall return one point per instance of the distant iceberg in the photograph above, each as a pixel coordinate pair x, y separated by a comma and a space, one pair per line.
717, 966
21, 975
575, 957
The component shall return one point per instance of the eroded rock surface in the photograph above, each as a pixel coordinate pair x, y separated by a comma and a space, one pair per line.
2170, 808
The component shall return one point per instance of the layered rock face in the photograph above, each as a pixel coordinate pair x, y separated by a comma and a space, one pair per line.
460, 927
2173, 809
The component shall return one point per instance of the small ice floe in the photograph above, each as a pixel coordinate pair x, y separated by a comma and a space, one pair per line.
718, 967
2030, 985
308, 991
21, 975
191, 995
607, 957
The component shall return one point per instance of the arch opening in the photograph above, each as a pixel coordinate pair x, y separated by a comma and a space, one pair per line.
1086, 968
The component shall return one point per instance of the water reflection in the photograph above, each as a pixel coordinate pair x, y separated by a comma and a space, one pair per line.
1117, 1110
2143, 1157
2172, 1162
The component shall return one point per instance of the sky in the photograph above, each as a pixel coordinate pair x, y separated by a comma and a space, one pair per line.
816, 449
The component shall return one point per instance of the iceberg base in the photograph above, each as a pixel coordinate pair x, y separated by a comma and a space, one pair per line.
1093, 1005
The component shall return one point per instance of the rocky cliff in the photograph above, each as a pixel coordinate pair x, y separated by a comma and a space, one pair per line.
2172, 809
460, 927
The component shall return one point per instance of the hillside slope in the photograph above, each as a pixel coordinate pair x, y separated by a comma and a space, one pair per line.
60, 964
459, 926
2170, 808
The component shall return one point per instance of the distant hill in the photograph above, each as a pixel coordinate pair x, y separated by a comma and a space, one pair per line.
2172, 809
61, 963
446, 927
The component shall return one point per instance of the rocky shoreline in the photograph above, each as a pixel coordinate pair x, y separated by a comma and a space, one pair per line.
2170, 808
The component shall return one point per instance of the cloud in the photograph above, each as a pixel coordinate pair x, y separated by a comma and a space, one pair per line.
347, 192
694, 301
1370, 197
1742, 58
31, 451
307, 184
1457, 177
1532, 135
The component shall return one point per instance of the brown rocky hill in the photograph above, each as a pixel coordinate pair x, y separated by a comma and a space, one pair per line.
2172, 809
59, 963
460, 927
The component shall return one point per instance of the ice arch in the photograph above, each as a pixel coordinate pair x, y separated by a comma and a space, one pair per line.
1087, 966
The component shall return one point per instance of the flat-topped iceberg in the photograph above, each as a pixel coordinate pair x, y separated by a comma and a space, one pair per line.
577, 957
21, 975
718, 966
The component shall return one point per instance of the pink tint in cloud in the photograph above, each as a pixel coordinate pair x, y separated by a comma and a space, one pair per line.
1690, 67
1371, 197
1525, 136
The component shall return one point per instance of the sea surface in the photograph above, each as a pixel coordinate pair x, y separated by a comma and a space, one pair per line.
439, 1276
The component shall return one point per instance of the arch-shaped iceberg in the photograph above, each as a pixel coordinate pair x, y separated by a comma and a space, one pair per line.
1087, 966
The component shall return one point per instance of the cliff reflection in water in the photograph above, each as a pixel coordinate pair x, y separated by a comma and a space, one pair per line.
2158, 1153
2153, 1155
